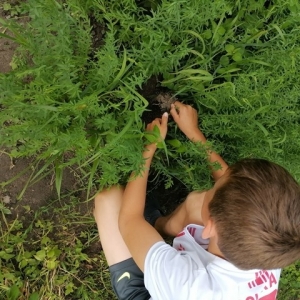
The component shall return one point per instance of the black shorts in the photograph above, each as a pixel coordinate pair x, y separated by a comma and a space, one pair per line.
128, 281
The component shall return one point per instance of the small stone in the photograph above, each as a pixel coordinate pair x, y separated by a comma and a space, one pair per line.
6, 199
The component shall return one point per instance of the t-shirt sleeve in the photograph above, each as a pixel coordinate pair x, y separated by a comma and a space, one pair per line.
172, 274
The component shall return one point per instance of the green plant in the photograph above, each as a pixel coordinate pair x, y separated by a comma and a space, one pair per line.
12, 9
68, 103
289, 285
52, 257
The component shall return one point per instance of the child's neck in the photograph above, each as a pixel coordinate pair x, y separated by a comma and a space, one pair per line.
214, 249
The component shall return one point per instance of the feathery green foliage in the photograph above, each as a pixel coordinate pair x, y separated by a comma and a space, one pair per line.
236, 63
69, 102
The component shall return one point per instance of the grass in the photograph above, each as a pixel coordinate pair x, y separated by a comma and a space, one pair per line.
56, 256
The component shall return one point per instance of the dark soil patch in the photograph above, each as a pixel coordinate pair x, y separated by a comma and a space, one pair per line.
148, 5
97, 32
7, 47
23, 204
159, 98
168, 199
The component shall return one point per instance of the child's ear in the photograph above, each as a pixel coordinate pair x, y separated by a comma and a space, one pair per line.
209, 230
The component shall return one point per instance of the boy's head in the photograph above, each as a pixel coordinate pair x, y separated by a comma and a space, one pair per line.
256, 212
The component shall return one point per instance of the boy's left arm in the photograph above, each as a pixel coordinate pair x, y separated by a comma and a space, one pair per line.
137, 233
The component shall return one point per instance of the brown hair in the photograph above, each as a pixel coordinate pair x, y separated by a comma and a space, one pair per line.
257, 215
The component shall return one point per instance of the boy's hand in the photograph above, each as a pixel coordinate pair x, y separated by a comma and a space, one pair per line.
162, 125
186, 117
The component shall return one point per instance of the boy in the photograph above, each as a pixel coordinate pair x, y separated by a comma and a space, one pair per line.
231, 240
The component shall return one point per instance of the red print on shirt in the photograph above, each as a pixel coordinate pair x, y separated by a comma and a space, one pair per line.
267, 280
263, 277
180, 248
271, 296
180, 234
192, 231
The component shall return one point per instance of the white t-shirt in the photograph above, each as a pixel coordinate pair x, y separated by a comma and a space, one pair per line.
188, 271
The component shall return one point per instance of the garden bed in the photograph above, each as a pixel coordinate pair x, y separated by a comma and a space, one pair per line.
104, 70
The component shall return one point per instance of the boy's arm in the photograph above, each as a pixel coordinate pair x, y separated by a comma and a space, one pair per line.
137, 233
188, 212
186, 118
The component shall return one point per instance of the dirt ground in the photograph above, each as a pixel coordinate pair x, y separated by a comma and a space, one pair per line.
7, 48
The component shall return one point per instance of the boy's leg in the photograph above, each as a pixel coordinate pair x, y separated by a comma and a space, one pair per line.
126, 278
106, 213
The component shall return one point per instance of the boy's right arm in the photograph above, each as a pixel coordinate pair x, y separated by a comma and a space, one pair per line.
186, 117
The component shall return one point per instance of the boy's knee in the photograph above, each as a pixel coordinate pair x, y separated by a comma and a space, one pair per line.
109, 198
192, 196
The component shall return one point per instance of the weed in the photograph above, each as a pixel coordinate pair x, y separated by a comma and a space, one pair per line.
68, 103
290, 282
49, 260
238, 69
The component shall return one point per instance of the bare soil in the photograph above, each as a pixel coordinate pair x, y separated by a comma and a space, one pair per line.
7, 47
23, 199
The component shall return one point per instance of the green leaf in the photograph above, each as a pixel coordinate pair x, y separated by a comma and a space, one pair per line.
198, 36
54, 253
27, 254
51, 264
45, 240
197, 53
221, 30
200, 78
70, 288
23, 263
40, 255
14, 293
181, 149
229, 49
257, 35
58, 176
156, 131
150, 137
122, 71
175, 143
194, 71
237, 57
228, 70
262, 127
6, 6
34, 296
207, 34
5, 255
224, 60
260, 62
160, 145
5, 210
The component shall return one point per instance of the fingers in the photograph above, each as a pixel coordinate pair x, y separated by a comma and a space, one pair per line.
158, 122
174, 112
161, 123
178, 104
164, 120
